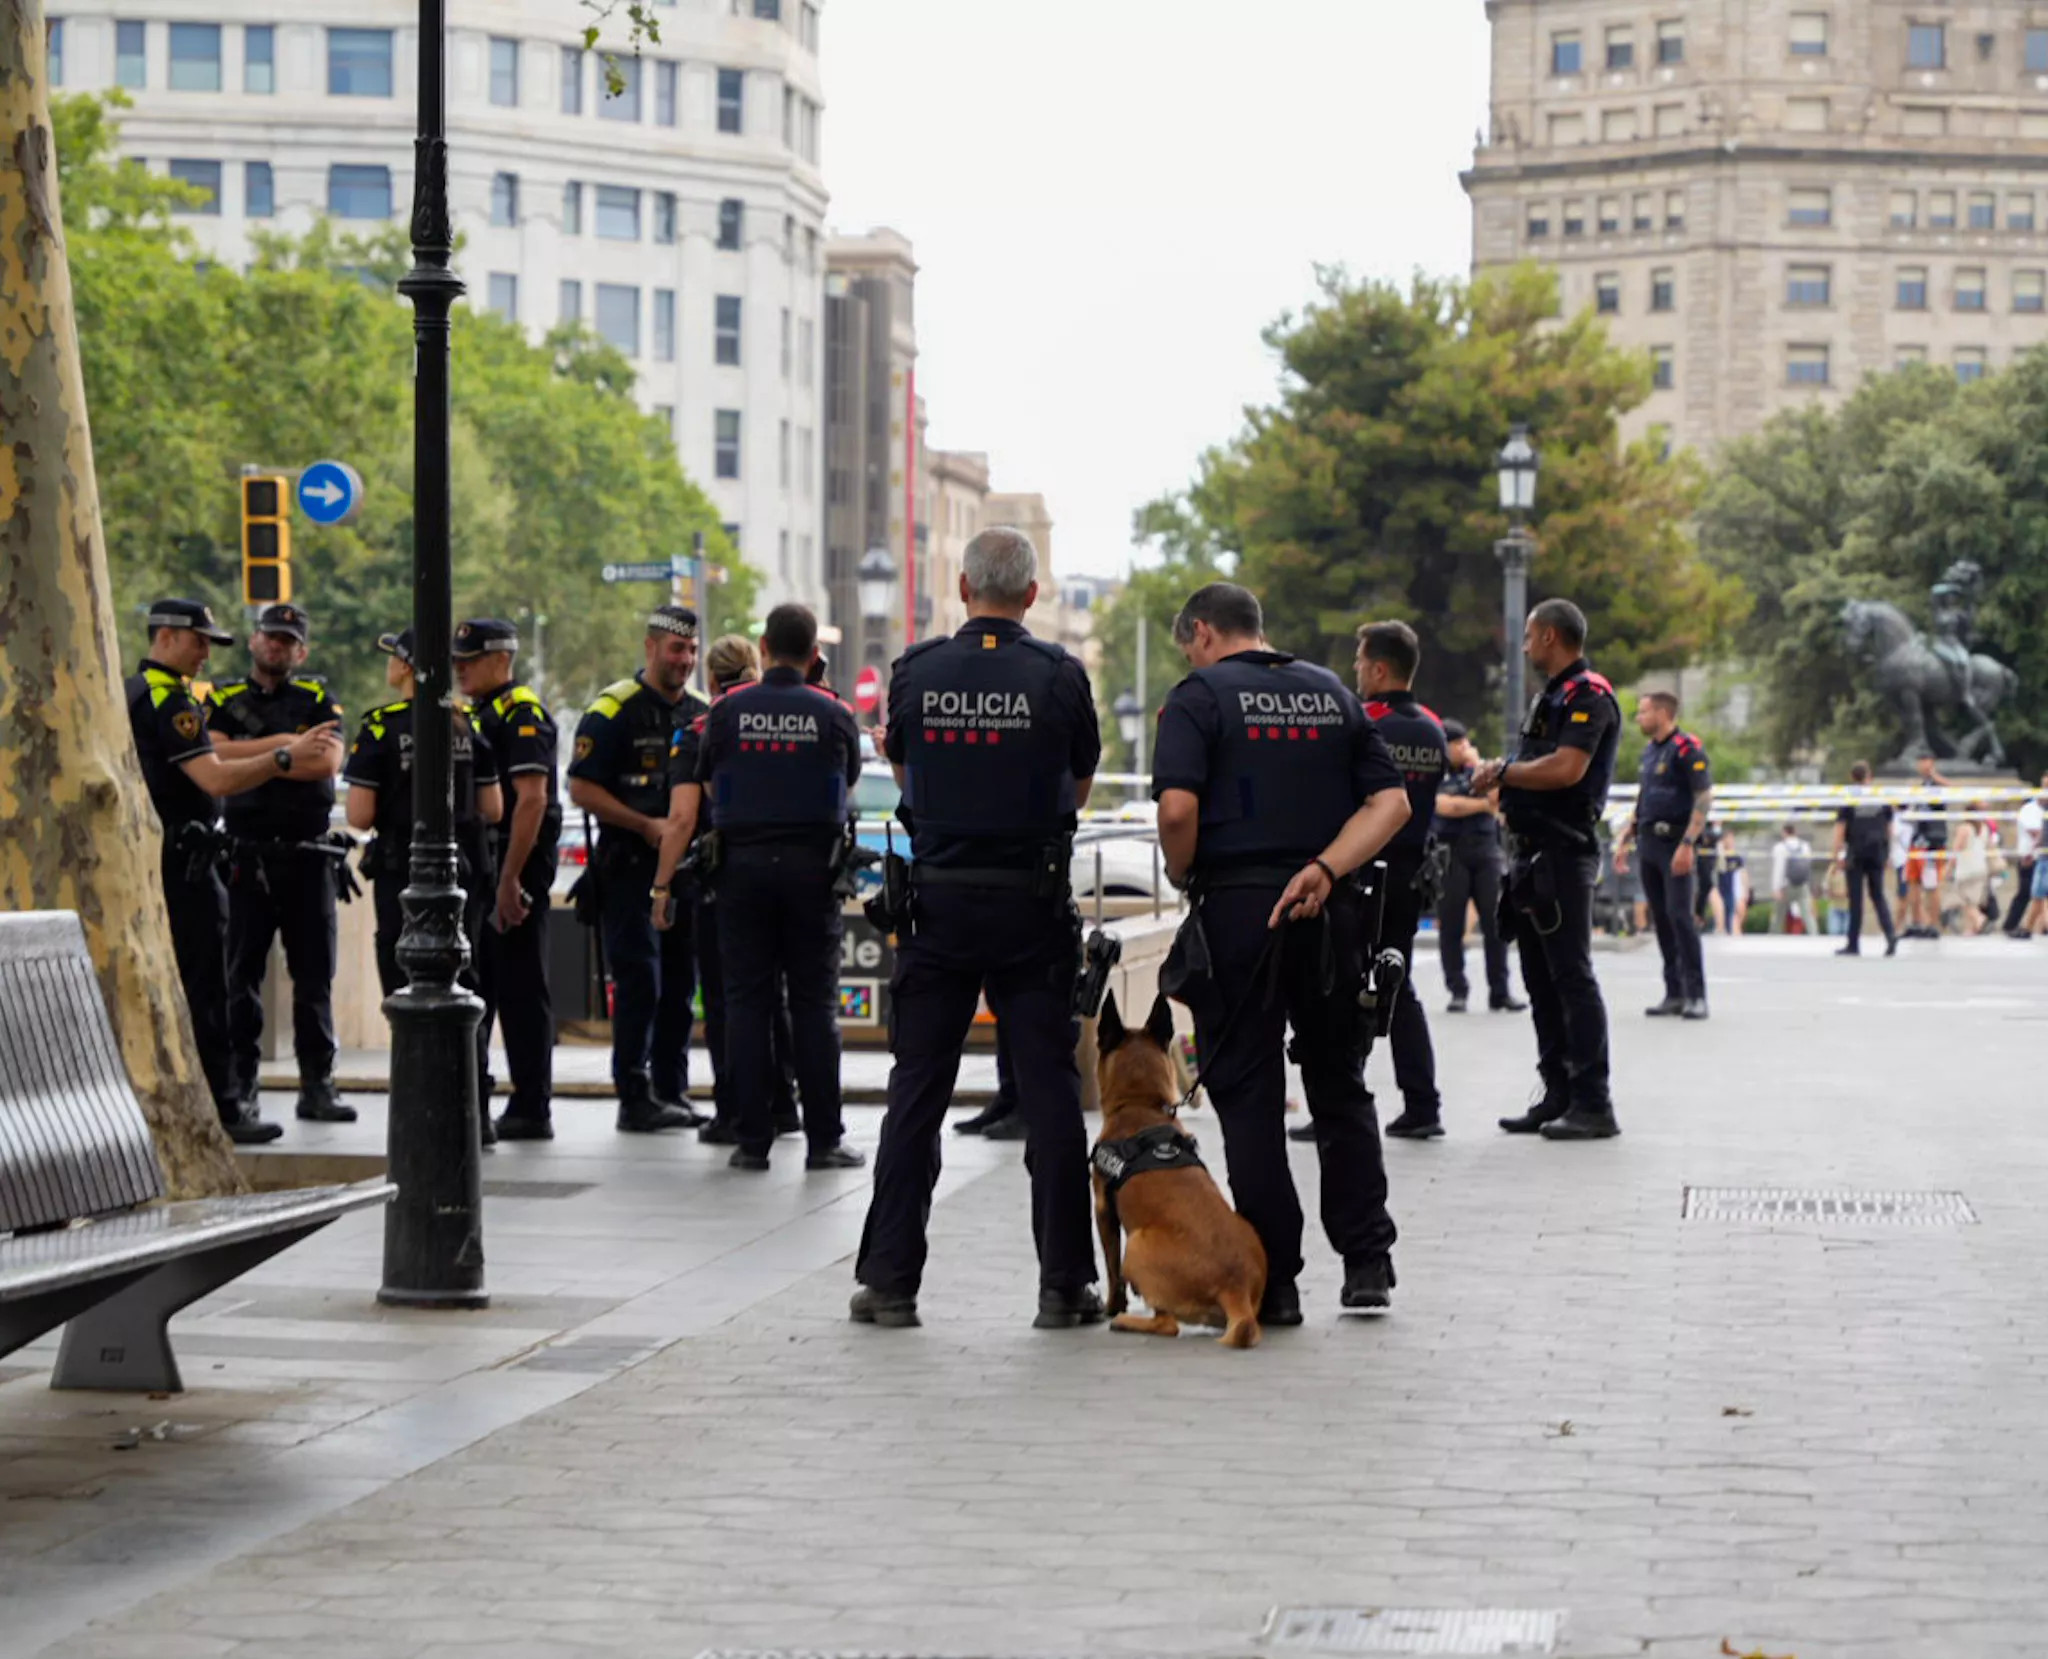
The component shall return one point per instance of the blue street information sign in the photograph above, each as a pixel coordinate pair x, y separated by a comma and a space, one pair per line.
330, 492
637, 573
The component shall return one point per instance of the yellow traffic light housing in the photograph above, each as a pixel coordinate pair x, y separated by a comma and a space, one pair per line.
266, 540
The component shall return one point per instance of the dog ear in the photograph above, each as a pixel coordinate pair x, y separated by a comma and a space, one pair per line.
1109, 1029
1159, 1023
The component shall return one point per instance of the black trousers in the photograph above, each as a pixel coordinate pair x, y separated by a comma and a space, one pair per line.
1671, 899
2023, 895
1024, 951
1414, 1054
1872, 874
654, 979
513, 975
391, 975
1473, 878
711, 979
199, 939
1557, 972
781, 927
1240, 1034
288, 894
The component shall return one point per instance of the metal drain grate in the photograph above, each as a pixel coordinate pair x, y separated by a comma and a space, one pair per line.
1473, 1631
1868, 1209
588, 1354
536, 1189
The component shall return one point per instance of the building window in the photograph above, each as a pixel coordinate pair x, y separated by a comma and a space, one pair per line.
131, 56
259, 58
1924, 121
1983, 210
572, 80
665, 217
1926, 46
2019, 212
505, 198
1607, 294
569, 304
624, 104
732, 218
1905, 209
1621, 47
808, 28
1567, 53
2028, 290
806, 472
1809, 34
1610, 215
1941, 210
666, 414
2037, 51
201, 175
53, 47
356, 192
782, 466
1812, 207
1971, 363
726, 341
1663, 368
259, 190
666, 76
1970, 288
769, 9
807, 352
1806, 114
726, 447
504, 72
195, 57
1671, 43
505, 295
1538, 224
788, 342
810, 250
1912, 288
1907, 356
1664, 290
1618, 126
1670, 120
618, 213
1806, 365
1645, 218
618, 317
1808, 285
732, 100
359, 63
572, 209
1575, 218
664, 325
1567, 130
1674, 210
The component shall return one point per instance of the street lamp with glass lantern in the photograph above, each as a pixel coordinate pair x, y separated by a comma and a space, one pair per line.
1130, 719
876, 580
1517, 465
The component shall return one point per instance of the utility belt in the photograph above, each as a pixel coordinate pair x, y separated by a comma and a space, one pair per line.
1535, 884
1227, 877
1669, 830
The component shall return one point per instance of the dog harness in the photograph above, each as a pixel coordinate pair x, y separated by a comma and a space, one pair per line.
1163, 1146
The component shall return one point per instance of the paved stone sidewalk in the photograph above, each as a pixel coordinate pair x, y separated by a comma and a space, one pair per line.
1819, 1440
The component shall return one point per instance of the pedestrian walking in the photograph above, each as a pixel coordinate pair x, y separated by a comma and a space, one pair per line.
279, 888
1927, 861
1674, 793
1791, 882
1553, 793
2028, 859
1274, 789
993, 738
1467, 825
1863, 850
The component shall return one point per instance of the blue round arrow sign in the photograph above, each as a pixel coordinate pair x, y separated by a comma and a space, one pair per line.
330, 492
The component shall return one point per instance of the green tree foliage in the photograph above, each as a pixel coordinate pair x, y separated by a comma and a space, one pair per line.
1367, 491
1875, 501
193, 371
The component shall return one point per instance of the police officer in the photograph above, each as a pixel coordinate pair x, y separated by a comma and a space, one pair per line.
1863, 847
1468, 826
278, 888
993, 738
620, 776
1273, 787
187, 775
379, 778
776, 764
1552, 794
1675, 790
513, 965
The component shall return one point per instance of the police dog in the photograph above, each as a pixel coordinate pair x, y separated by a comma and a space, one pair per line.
1190, 1255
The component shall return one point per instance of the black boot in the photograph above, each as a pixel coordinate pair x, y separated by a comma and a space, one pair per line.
1062, 1310
640, 1113
318, 1102
883, 1307
1305, 1131
719, 1132
1669, 1007
1532, 1121
1695, 1009
1413, 1125
1458, 1004
984, 1120
1508, 1004
690, 1116
525, 1126
1578, 1125
245, 1125
1008, 1128
1281, 1306
1367, 1279
837, 1156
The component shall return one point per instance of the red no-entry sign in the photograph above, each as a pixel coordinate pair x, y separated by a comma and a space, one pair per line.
867, 689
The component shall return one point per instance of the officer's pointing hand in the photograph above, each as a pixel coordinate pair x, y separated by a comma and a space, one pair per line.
1304, 896
315, 738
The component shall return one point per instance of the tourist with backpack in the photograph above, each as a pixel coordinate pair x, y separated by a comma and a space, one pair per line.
1791, 882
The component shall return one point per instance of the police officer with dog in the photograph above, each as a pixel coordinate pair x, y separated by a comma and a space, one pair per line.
280, 887
993, 737
1552, 794
776, 766
1674, 792
1274, 791
187, 775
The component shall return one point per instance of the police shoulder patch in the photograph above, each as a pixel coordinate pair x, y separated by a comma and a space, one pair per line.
1581, 717
186, 723
584, 746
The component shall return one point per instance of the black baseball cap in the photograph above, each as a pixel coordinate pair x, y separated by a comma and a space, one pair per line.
188, 613
397, 645
679, 620
285, 619
481, 634
1453, 730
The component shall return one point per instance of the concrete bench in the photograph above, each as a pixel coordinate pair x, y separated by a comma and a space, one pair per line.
91, 1247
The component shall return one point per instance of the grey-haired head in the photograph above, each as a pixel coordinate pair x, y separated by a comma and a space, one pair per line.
999, 571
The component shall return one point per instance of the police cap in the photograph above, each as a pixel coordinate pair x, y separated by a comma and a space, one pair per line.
483, 634
1455, 730
285, 619
397, 645
679, 620
188, 613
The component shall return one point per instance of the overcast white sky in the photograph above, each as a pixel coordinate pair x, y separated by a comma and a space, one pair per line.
1110, 198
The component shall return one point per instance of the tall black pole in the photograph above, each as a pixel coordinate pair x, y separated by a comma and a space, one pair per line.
433, 1233
1514, 553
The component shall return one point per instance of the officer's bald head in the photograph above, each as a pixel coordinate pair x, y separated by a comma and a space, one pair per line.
999, 573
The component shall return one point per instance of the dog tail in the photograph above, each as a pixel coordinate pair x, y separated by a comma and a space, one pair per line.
1242, 1312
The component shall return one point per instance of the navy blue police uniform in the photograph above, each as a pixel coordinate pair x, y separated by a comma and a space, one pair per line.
1867, 858
513, 965
778, 762
622, 746
1547, 903
1414, 736
277, 889
1472, 876
1281, 756
993, 729
1675, 773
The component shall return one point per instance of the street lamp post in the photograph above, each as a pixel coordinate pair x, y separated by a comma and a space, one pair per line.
1517, 464
433, 1233
1130, 723
876, 581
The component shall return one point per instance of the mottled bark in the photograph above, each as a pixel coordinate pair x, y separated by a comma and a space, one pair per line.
77, 831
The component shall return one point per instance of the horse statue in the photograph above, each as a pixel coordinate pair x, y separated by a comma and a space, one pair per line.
1924, 680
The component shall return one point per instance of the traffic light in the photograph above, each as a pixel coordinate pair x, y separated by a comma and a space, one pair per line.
266, 541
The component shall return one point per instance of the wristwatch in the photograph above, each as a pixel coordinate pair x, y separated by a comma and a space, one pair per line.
282, 756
